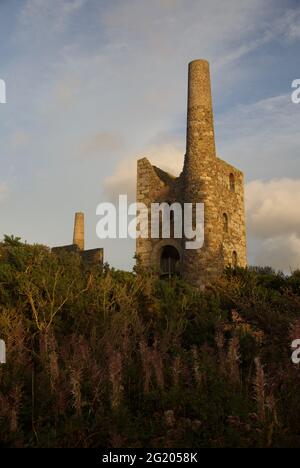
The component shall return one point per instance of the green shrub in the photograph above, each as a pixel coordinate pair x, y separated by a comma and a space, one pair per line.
105, 358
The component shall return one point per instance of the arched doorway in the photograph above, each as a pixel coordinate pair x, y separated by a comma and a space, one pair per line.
169, 261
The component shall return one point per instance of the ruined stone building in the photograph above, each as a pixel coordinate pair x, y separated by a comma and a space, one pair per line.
204, 179
89, 257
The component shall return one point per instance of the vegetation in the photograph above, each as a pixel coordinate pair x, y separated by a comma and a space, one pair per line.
110, 359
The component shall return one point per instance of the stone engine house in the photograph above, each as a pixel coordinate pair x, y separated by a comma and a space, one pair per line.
88, 257
204, 179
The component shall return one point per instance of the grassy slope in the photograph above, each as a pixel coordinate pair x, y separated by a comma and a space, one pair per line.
108, 359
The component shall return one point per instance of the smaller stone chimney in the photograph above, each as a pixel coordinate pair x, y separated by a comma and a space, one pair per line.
78, 237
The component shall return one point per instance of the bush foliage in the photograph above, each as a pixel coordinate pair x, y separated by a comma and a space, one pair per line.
104, 358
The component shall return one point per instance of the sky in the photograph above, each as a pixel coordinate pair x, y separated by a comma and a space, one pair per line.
93, 85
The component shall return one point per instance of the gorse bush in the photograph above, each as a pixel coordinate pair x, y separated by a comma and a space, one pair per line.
103, 358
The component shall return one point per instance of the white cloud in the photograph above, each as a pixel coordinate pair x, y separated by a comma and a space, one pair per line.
262, 138
289, 25
167, 157
164, 32
281, 253
56, 13
273, 207
273, 222
100, 142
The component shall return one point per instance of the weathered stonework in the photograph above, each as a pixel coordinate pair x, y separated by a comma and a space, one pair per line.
78, 236
89, 257
205, 178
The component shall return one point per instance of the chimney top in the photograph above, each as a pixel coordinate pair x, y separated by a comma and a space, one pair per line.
78, 237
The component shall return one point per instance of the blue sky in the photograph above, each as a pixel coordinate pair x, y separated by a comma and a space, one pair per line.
93, 85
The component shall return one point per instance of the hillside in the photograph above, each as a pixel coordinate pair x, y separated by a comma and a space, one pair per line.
110, 359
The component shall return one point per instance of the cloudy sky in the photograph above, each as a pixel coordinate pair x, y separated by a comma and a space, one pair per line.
93, 85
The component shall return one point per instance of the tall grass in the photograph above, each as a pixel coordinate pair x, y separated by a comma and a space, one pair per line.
103, 358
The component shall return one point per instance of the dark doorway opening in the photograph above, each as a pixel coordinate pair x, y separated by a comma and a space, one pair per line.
169, 261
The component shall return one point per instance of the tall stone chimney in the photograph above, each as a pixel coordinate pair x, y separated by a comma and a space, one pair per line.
200, 126
78, 237
200, 170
